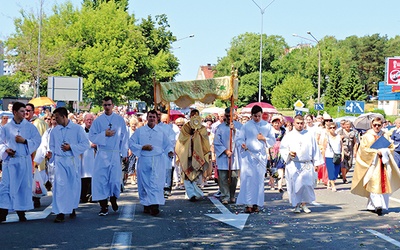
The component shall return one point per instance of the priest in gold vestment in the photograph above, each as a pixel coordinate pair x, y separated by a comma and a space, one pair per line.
376, 174
193, 153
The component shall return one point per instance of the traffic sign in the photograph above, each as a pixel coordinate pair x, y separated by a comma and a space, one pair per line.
299, 112
355, 107
299, 104
319, 106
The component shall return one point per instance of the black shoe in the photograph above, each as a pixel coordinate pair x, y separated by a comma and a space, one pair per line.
146, 209
378, 211
193, 199
73, 214
345, 181
114, 205
154, 210
59, 218
21, 216
281, 191
3, 214
36, 202
103, 211
48, 185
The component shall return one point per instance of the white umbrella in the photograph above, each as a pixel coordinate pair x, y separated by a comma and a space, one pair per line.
349, 118
212, 110
364, 120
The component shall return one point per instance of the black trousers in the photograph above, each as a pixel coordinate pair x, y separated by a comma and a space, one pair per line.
86, 188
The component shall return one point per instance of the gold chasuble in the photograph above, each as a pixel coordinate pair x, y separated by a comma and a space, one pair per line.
370, 174
193, 149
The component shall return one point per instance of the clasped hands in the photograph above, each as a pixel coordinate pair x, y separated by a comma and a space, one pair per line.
110, 132
147, 147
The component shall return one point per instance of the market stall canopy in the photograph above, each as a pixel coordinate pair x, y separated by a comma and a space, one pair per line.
42, 101
185, 93
267, 108
175, 114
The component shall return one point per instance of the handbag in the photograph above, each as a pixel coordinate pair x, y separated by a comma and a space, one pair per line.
337, 158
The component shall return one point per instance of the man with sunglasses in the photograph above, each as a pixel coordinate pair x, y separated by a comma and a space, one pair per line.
41, 125
376, 174
300, 151
110, 134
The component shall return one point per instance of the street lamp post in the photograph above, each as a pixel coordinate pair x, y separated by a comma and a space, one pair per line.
319, 65
189, 36
262, 10
319, 61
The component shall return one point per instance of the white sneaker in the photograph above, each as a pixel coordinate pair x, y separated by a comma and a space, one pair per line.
297, 210
217, 194
306, 209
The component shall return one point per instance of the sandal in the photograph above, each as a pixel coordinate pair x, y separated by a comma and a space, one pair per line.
256, 209
248, 210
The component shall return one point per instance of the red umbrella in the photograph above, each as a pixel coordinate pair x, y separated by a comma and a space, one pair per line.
267, 108
175, 114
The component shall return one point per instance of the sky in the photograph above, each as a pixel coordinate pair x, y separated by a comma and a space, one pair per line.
215, 22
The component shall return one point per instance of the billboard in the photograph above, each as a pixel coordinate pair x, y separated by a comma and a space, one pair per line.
392, 71
65, 88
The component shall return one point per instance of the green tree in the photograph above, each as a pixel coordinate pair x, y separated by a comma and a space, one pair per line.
293, 88
352, 88
9, 86
123, 4
244, 55
333, 94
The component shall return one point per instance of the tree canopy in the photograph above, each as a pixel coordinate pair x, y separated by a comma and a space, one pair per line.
118, 55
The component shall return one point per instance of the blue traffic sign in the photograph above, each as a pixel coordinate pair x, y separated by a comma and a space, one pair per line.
355, 107
299, 112
319, 106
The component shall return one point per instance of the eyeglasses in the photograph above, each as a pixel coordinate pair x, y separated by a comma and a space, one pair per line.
332, 127
107, 104
377, 125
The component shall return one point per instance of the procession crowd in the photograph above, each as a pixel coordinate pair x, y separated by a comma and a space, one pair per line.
89, 157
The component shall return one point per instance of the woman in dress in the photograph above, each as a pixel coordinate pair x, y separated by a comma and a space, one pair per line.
332, 145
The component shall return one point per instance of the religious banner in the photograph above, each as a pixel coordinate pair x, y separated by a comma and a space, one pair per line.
185, 93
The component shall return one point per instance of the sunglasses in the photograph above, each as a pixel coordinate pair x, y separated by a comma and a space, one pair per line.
28, 110
332, 127
377, 125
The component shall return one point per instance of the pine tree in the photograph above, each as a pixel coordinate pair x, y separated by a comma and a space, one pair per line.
353, 89
333, 92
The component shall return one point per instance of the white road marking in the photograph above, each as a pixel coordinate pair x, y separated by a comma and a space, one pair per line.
235, 220
127, 212
316, 204
13, 217
121, 240
384, 237
394, 199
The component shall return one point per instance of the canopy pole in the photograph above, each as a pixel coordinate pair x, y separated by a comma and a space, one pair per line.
233, 76
168, 112
154, 91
